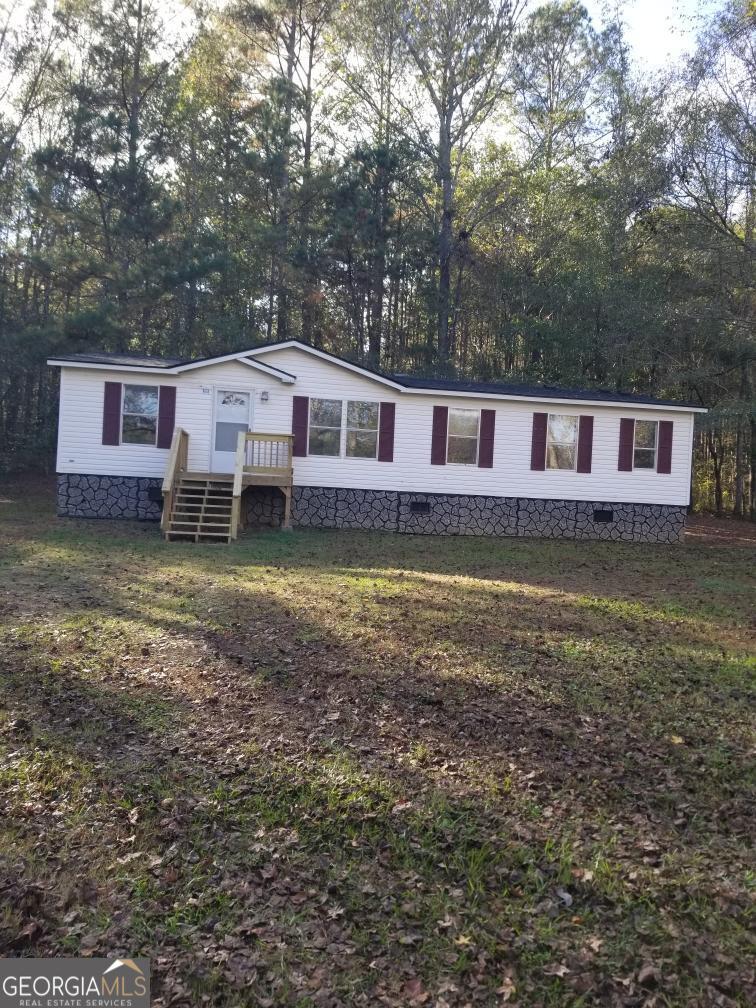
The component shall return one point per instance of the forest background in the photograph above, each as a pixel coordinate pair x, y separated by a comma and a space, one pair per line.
481, 188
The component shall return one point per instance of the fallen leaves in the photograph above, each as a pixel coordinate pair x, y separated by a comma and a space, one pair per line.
415, 993
556, 969
372, 774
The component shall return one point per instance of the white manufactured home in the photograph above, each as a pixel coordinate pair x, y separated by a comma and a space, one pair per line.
289, 434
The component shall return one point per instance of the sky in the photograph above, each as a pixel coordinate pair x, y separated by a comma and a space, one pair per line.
660, 32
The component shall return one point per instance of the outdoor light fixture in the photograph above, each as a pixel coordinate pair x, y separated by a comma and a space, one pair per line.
264, 396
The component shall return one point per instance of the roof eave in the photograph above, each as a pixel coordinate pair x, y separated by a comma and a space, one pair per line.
460, 394
285, 378
324, 355
561, 400
174, 369
98, 366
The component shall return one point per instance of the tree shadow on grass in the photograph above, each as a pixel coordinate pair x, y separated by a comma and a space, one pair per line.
333, 777
281, 860
268, 663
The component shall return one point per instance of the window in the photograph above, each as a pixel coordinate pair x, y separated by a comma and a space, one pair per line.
561, 441
139, 414
644, 444
358, 420
325, 427
362, 430
462, 438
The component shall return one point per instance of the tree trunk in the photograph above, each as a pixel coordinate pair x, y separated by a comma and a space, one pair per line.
309, 291
737, 509
282, 292
445, 239
716, 461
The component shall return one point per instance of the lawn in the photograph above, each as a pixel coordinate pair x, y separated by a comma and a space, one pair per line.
336, 769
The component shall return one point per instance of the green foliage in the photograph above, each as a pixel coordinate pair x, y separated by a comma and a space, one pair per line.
420, 186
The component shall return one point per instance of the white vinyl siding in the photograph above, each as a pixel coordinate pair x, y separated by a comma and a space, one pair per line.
81, 450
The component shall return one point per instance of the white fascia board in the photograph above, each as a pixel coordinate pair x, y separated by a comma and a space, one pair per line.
614, 404
506, 397
213, 360
331, 360
287, 344
267, 369
270, 371
112, 367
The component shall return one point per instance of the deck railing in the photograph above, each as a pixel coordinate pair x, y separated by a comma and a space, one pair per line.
262, 458
177, 463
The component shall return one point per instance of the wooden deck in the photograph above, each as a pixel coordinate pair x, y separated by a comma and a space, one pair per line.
207, 505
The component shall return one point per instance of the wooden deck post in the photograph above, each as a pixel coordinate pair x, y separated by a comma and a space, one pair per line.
287, 508
177, 463
263, 460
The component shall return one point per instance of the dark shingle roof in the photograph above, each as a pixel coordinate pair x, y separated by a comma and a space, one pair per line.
462, 386
529, 391
125, 359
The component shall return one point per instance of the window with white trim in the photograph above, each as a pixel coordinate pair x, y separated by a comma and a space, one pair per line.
561, 441
645, 444
325, 427
343, 427
362, 429
462, 437
139, 414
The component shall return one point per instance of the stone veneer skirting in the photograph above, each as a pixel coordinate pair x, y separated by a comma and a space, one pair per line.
108, 497
463, 514
394, 511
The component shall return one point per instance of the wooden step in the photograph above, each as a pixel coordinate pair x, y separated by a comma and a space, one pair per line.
201, 497
207, 477
193, 526
199, 525
200, 535
216, 502
223, 489
202, 508
201, 484
198, 509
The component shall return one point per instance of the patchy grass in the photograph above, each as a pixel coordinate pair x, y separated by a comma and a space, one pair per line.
346, 769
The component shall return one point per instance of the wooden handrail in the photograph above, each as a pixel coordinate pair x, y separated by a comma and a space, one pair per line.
258, 436
177, 463
265, 453
270, 455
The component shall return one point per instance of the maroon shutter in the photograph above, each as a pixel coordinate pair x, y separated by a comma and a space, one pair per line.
300, 415
538, 441
438, 437
111, 414
166, 415
487, 434
386, 432
664, 451
585, 444
626, 439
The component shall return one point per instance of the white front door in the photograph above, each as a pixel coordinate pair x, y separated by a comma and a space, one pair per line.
232, 414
